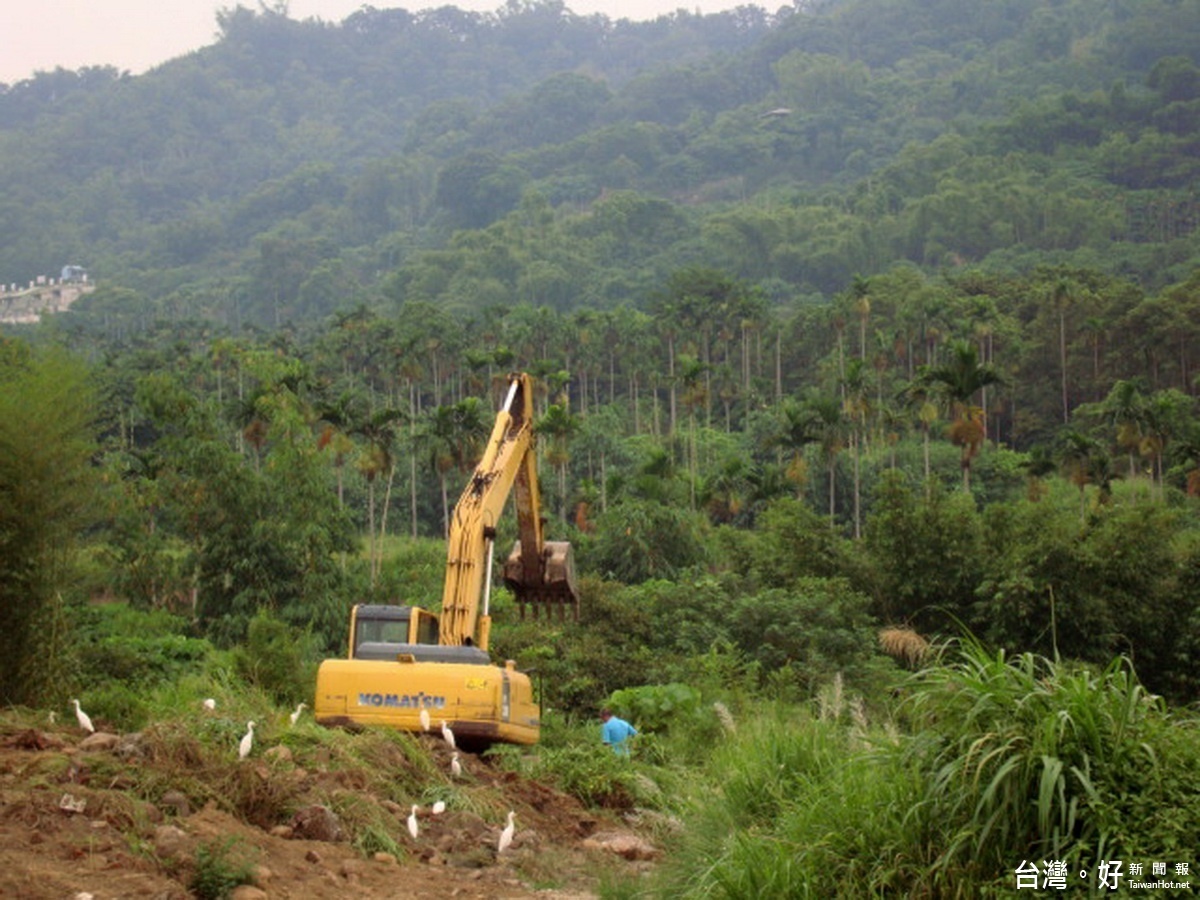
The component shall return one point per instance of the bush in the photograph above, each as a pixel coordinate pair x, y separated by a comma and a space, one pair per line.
47, 500
656, 707
571, 757
115, 705
220, 867
139, 648
925, 549
278, 658
818, 627
638, 540
137, 660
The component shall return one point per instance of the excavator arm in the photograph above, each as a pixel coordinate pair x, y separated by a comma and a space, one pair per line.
538, 572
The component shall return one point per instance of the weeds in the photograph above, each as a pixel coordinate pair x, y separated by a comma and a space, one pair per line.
221, 866
376, 839
596, 776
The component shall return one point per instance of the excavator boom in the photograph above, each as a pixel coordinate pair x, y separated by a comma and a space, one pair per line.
538, 572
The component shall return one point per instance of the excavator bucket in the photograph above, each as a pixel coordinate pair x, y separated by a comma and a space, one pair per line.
547, 583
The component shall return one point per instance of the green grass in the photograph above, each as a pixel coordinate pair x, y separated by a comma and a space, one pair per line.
1028, 757
999, 760
221, 866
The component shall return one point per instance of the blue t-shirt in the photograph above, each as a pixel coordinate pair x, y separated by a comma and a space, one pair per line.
615, 732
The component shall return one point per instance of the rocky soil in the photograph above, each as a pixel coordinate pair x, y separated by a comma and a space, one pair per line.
109, 816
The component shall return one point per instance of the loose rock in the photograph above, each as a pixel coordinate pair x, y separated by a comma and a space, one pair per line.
317, 823
627, 846
177, 803
101, 740
170, 841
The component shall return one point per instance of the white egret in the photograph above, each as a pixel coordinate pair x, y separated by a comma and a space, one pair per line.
210, 704
85, 721
52, 717
412, 823
247, 741
425, 724
506, 836
448, 735
439, 807
455, 766
295, 716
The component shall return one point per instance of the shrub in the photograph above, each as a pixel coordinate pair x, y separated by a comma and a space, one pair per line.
47, 500
925, 549
638, 540
591, 773
144, 660
655, 707
278, 658
571, 757
117, 705
220, 867
818, 626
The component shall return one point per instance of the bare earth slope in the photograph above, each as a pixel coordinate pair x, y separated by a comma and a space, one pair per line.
74, 824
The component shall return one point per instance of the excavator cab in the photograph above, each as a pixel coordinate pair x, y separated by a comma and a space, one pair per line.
388, 624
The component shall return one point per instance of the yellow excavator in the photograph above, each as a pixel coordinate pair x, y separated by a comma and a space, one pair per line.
411, 669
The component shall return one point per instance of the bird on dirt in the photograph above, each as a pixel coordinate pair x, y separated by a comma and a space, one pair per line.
412, 823
439, 807
85, 721
295, 716
247, 741
447, 735
425, 723
210, 704
506, 836
455, 766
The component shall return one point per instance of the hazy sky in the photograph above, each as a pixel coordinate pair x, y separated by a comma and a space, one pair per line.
138, 34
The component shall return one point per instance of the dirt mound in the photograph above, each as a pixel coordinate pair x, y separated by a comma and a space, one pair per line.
74, 823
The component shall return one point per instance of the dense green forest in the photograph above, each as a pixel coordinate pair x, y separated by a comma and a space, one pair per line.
858, 328
293, 169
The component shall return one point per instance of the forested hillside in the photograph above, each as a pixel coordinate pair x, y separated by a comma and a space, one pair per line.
279, 174
865, 336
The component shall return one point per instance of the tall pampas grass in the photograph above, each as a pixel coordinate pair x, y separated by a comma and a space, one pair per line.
725, 717
831, 700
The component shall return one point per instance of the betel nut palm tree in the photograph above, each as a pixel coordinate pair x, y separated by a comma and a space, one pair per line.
958, 381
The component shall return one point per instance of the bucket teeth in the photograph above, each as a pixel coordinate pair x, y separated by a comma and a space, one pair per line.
551, 588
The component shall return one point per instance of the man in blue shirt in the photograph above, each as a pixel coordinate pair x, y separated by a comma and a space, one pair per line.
616, 732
